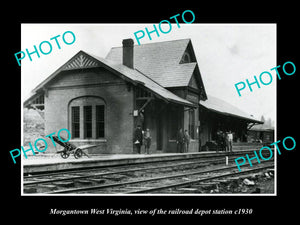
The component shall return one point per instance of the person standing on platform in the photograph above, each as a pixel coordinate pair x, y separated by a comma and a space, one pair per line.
180, 141
147, 137
224, 140
229, 141
138, 138
187, 140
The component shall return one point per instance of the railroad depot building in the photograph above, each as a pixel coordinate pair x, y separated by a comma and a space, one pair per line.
157, 85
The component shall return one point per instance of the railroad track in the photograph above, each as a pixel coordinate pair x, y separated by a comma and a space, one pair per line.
150, 185
209, 158
82, 173
125, 179
198, 181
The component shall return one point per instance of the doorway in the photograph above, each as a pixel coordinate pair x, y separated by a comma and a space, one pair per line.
159, 133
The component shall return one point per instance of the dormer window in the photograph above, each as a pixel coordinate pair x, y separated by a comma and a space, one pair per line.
186, 58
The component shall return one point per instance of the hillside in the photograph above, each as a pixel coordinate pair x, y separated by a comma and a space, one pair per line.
33, 126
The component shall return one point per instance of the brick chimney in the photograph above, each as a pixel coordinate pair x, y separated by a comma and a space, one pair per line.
128, 52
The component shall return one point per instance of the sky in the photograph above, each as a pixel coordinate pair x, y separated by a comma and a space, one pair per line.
226, 54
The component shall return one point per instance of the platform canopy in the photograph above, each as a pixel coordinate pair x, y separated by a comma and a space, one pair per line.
222, 107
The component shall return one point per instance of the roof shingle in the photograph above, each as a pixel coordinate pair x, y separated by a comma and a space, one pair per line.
136, 75
160, 61
223, 107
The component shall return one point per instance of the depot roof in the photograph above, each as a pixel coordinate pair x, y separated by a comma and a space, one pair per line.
222, 107
85, 60
138, 77
161, 61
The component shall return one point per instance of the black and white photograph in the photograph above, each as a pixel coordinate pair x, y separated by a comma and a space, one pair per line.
148, 113
108, 111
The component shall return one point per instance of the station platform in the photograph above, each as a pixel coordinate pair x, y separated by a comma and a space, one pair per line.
53, 162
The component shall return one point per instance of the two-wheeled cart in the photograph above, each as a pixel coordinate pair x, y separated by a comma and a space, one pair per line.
69, 148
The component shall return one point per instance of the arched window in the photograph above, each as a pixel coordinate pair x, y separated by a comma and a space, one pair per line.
186, 58
87, 117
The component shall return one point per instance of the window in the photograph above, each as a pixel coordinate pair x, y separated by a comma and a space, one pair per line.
75, 122
192, 124
87, 117
99, 121
185, 58
87, 113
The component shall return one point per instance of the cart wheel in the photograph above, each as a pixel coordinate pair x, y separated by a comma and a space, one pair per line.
65, 154
78, 153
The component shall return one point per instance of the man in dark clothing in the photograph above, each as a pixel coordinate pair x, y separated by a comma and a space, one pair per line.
219, 141
224, 141
138, 138
180, 141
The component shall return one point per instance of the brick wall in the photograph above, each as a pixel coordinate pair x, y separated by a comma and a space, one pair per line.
70, 85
